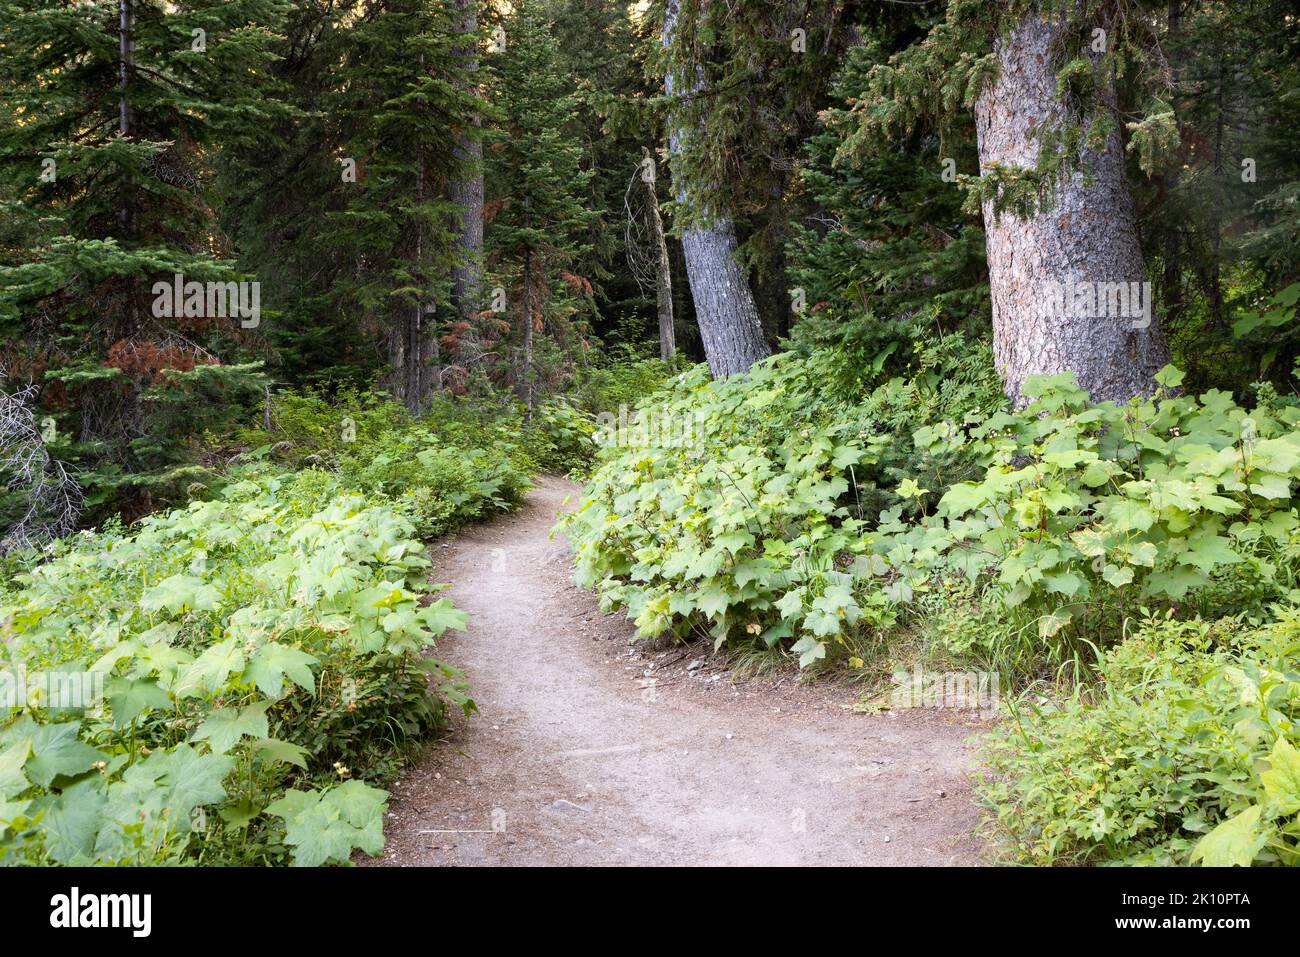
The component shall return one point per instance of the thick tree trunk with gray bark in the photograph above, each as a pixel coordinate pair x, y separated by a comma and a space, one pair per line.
1068, 283
467, 192
724, 305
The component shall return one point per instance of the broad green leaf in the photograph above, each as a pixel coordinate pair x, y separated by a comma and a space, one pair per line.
180, 592
131, 697
283, 752
241, 814
441, 615
207, 674
12, 758
713, 599
325, 826
790, 605
1176, 582
1117, 577
1170, 377
1207, 551
57, 749
1064, 583
192, 779
11, 811
72, 821
1268, 485
1234, 843
1282, 780
224, 727
272, 662
1130, 516
809, 649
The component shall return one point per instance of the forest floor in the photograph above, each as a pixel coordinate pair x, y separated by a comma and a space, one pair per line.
588, 750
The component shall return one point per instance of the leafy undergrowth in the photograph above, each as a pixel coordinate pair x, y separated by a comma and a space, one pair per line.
258, 655
229, 682
374, 443
773, 515
1186, 752
261, 661
742, 509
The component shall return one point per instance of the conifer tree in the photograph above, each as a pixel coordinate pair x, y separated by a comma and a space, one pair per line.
724, 304
465, 188
1059, 220
402, 108
120, 104
603, 48
354, 224
887, 253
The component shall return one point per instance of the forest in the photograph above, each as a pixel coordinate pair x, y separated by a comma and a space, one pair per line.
590, 432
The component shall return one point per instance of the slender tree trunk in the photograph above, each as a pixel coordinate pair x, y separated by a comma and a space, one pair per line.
398, 342
724, 304
1173, 257
1087, 241
683, 307
1216, 280
415, 360
128, 323
528, 332
663, 276
466, 191
123, 64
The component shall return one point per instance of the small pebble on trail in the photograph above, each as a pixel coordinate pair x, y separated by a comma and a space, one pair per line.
563, 805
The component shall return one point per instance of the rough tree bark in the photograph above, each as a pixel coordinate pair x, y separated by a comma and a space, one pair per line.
724, 304
467, 192
1087, 240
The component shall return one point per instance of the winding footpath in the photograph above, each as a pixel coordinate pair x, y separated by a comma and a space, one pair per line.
589, 750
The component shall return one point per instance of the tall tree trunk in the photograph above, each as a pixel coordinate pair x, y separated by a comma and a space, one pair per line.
528, 332
1088, 237
398, 341
415, 359
1215, 290
683, 307
724, 305
128, 323
1173, 261
663, 275
124, 66
466, 191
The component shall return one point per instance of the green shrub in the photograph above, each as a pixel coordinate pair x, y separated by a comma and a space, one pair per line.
313, 428
1085, 512
1185, 753
443, 486
561, 437
736, 509
254, 645
769, 506
624, 379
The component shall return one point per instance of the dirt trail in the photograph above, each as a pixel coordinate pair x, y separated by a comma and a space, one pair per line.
588, 751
